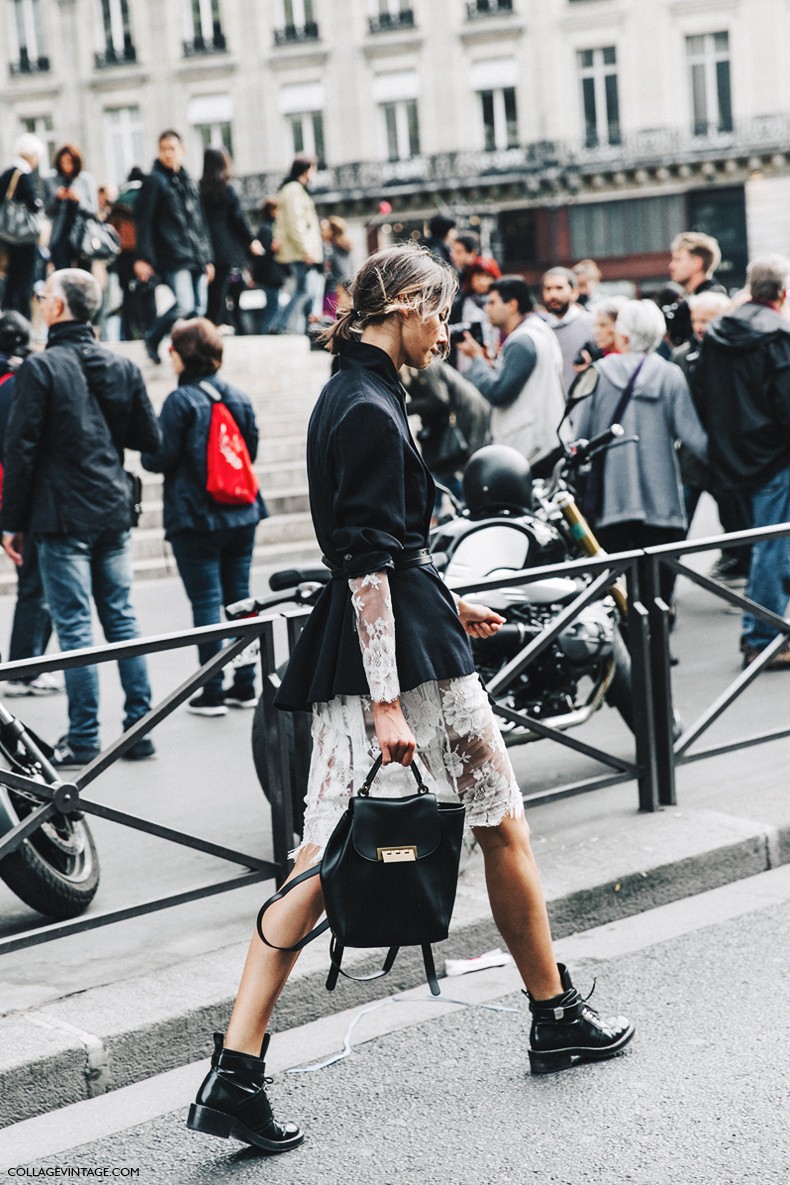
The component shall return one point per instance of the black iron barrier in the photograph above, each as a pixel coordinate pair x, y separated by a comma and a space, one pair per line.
657, 752
66, 796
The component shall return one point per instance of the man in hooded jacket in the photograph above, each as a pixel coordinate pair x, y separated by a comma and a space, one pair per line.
742, 389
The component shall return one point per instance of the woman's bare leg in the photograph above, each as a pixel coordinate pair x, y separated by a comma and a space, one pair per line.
518, 904
265, 970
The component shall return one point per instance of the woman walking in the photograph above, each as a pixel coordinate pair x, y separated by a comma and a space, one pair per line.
232, 240
385, 663
71, 194
212, 542
19, 183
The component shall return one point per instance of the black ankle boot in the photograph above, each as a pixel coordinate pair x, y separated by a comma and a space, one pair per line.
566, 1030
233, 1102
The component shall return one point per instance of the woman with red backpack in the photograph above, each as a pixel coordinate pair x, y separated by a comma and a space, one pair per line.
212, 503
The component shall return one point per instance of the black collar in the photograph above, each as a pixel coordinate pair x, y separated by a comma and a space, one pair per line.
64, 332
358, 355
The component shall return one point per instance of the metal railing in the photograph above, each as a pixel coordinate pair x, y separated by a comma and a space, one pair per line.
286, 756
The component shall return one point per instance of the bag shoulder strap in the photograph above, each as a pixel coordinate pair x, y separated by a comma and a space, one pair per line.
625, 398
12, 184
278, 896
208, 389
336, 956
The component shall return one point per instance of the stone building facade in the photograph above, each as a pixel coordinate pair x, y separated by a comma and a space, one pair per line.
559, 128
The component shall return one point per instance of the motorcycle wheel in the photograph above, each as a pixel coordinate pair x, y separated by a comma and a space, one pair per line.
263, 740
55, 870
619, 694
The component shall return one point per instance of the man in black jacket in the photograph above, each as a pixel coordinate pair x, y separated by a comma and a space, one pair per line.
77, 407
172, 239
741, 386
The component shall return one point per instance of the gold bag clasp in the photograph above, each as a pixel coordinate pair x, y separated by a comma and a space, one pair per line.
397, 855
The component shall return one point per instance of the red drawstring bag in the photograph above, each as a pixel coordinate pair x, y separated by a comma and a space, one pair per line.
230, 477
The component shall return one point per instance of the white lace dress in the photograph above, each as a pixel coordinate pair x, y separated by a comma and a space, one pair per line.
459, 746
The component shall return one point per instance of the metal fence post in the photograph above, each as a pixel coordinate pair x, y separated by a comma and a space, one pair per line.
641, 691
660, 664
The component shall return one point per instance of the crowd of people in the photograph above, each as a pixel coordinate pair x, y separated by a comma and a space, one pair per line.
190, 236
697, 376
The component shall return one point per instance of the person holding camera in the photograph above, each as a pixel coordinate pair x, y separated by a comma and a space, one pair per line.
524, 383
605, 316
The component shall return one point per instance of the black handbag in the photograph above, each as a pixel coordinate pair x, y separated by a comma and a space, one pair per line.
93, 239
18, 223
449, 448
389, 875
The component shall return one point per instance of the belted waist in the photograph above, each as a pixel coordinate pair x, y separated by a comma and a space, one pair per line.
419, 558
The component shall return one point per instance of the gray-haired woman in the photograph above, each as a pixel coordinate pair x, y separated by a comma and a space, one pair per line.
640, 502
385, 664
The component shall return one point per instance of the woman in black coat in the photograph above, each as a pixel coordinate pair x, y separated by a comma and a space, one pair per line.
385, 663
21, 257
212, 542
232, 240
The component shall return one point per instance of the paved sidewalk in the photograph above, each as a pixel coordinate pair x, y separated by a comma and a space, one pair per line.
600, 860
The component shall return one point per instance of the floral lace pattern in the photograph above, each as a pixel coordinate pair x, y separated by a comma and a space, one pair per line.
459, 747
370, 596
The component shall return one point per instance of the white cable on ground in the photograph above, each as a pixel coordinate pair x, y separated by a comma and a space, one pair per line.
346, 1050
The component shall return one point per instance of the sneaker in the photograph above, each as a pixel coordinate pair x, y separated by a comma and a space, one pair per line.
241, 696
729, 570
45, 684
208, 703
67, 757
141, 750
152, 351
779, 662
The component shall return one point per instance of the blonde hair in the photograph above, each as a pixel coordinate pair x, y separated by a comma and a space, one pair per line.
705, 247
402, 279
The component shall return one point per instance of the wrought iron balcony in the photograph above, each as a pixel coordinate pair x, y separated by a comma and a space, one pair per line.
403, 19
200, 45
528, 167
124, 56
293, 34
28, 65
478, 8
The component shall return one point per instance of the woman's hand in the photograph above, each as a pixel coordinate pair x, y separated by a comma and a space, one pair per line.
395, 738
478, 620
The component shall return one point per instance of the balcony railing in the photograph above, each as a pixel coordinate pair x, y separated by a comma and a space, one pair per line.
293, 34
529, 165
28, 65
477, 8
404, 19
200, 45
116, 57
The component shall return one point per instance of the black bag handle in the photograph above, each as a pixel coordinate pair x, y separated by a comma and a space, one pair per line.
364, 790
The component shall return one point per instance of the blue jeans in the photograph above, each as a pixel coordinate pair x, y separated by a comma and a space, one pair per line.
190, 288
292, 317
74, 571
215, 569
32, 627
769, 574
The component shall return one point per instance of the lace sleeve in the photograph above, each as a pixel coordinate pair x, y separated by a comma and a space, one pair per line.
370, 596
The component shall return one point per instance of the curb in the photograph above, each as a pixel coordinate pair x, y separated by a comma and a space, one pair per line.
109, 1037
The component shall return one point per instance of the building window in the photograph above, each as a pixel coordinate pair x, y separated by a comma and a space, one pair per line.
42, 126
297, 22
28, 51
124, 138
601, 230
211, 120
600, 104
708, 58
391, 14
500, 120
307, 135
402, 129
478, 8
203, 28
113, 33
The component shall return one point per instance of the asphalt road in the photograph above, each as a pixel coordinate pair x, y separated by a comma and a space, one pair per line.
700, 1097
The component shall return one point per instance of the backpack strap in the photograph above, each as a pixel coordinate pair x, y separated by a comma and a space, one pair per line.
283, 892
336, 956
208, 389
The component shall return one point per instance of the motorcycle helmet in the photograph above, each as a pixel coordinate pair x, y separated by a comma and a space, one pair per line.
498, 478
15, 334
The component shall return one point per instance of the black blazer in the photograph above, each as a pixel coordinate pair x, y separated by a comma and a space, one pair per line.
371, 498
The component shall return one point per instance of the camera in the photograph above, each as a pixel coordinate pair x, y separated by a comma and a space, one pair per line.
457, 331
591, 349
